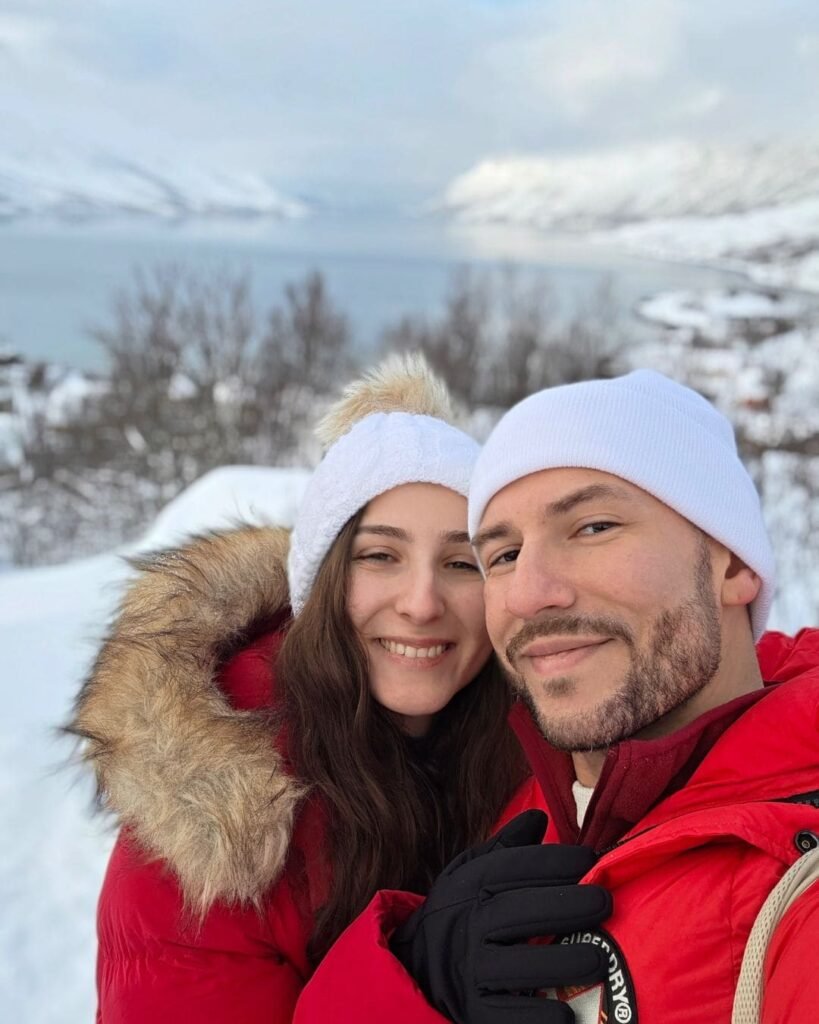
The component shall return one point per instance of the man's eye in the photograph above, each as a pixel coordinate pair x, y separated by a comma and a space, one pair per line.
504, 558
591, 529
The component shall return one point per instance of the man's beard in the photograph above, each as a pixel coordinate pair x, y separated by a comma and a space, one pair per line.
681, 657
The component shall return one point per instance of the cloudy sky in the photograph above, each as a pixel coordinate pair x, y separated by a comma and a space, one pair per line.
387, 100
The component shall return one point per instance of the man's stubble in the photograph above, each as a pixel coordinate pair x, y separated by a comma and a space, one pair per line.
680, 658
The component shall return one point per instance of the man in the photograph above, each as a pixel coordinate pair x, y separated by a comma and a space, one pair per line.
628, 573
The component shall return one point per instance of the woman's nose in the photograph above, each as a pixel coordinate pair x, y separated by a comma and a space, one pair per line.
420, 598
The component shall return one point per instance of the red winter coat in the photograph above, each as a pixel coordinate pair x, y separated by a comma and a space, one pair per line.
688, 880
207, 903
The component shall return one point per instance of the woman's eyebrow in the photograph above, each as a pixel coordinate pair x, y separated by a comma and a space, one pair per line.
384, 531
396, 533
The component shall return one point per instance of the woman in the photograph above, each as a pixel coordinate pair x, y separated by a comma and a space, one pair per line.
271, 772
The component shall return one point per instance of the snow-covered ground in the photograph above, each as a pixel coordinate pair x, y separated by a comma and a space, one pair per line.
52, 851
755, 355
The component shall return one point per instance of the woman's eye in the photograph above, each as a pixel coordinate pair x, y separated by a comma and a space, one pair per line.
373, 556
463, 566
592, 529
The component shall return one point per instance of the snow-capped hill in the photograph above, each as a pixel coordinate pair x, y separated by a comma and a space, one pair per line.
606, 189
777, 246
71, 185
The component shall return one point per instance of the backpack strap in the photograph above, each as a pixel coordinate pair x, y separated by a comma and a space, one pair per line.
799, 877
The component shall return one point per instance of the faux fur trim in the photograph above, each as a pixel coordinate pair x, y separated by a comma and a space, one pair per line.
401, 383
198, 782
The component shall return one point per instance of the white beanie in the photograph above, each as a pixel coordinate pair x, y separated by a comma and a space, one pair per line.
382, 450
651, 431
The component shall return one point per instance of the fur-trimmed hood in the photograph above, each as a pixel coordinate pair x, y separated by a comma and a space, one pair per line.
199, 783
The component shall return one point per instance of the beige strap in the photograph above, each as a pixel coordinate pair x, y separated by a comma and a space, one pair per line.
748, 997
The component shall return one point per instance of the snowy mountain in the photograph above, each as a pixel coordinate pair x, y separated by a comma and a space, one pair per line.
755, 208
607, 189
68, 184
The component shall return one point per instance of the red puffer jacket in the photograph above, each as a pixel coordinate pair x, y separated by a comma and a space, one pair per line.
688, 880
208, 900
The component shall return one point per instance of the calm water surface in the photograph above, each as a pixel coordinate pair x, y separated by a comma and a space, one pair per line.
58, 281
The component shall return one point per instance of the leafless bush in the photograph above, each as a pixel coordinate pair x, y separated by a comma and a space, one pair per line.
182, 350
194, 383
502, 336
587, 345
307, 340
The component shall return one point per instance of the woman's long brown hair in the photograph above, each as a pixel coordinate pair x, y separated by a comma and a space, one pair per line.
396, 815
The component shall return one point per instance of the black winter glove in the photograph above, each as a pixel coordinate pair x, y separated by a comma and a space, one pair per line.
466, 945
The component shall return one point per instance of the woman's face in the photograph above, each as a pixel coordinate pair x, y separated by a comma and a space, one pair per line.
416, 601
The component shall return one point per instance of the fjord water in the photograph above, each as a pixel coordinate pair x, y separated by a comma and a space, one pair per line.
57, 281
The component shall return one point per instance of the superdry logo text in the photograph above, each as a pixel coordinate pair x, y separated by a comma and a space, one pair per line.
612, 1002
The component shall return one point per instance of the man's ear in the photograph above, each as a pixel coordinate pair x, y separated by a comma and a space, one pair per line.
741, 585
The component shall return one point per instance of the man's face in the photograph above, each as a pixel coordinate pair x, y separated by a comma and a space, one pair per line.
600, 602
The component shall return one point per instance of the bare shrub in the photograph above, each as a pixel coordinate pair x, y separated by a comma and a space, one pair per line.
194, 383
502, 336
585, 346
307, 341
454, 344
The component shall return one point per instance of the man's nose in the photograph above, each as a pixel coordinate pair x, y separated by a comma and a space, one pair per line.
420, 598
536, 585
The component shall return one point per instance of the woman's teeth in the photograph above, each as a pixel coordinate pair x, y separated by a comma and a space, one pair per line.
413, 652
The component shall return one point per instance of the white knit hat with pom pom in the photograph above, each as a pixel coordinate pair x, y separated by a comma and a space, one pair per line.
386, 430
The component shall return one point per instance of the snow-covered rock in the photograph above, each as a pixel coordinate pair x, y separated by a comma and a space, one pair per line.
714, 315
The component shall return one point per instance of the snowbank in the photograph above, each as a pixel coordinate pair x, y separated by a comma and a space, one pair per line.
52, 852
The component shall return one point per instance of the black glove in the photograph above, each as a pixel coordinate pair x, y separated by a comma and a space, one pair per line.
466, 945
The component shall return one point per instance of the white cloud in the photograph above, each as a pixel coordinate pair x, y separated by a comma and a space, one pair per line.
386, 97
594, 49
700, 103
808, 45
23, 37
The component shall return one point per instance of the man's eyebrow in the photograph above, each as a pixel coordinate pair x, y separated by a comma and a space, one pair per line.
590, 493
500, 531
